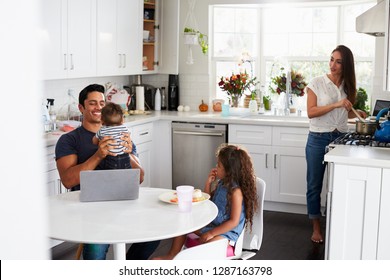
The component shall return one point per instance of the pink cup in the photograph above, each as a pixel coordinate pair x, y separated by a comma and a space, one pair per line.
184, 195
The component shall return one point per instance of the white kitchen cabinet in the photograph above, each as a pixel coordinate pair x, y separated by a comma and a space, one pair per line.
359, 213
53, 181
278, 155
161, 55
68, 38
162, 154
383, 251
119, 37
142, 136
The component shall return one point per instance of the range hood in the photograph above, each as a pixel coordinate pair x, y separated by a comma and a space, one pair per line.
373, 21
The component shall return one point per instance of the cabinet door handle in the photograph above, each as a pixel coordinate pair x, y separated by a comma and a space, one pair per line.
124, 60
71, 62
65, 62
144, 133
274, 161
120, 61
266, 160
59, 186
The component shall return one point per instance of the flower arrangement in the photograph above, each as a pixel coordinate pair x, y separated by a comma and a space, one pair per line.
298, 84
236, 84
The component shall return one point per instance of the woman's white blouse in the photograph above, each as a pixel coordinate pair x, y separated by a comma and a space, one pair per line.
328, 93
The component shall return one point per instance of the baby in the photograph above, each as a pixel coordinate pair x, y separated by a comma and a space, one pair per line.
112, 125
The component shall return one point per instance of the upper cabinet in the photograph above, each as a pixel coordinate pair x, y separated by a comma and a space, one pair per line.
169, 37
161, 36
88, 38
68, 38
119, 37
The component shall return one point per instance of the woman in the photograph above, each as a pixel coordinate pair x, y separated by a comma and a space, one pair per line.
329, 101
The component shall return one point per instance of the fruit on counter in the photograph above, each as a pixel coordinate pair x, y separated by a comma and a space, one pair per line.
217, 107
180, 108
187, 108
203, 107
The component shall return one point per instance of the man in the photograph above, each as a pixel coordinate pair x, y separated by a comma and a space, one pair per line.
75, 152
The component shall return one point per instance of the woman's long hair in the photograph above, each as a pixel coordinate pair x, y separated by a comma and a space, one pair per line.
239, 169
348, 74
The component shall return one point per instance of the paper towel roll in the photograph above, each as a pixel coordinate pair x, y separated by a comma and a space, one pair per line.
140, 98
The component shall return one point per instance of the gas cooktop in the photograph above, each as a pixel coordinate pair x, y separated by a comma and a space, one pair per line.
356, 139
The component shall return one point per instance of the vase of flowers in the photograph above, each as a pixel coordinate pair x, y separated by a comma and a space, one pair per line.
236, 85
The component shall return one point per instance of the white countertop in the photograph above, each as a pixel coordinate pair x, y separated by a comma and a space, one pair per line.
210, 117
359, 156
207, 117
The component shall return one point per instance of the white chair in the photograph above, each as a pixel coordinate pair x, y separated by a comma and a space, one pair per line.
250, 242
215, 250
247, 244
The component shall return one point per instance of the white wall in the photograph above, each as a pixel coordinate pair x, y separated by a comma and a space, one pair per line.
23, 209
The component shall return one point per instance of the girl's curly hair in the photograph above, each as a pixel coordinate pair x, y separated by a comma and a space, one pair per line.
239, 169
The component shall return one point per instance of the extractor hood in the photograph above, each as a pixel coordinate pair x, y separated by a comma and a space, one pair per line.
373, 21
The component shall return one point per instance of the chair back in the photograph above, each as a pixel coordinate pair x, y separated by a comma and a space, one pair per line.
252, 240
214, 250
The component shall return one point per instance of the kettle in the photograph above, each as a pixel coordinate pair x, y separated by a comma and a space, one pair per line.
382, 133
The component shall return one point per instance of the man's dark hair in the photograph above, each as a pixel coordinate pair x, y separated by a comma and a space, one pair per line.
88, 89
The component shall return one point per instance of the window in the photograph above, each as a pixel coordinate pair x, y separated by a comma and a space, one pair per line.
302, 34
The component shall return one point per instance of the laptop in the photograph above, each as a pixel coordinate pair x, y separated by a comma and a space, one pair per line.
115, 184
379, 105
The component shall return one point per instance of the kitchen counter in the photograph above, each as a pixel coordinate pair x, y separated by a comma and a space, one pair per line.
242, 117
359, 156
206, 117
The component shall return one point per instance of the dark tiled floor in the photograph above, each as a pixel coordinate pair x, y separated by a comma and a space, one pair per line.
286, 237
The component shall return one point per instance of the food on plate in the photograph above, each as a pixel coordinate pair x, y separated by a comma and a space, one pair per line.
197, 193
197, 196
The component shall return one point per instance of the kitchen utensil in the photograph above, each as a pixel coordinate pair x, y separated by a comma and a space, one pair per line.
365, 127
357, 114
382, 132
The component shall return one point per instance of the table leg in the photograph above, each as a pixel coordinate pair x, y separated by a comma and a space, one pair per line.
119, 251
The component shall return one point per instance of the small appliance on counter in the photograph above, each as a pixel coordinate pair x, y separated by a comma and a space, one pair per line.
173, 92
148, 95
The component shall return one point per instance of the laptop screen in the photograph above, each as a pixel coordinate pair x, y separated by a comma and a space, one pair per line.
379, 105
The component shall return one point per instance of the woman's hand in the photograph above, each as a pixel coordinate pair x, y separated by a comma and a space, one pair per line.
344, 103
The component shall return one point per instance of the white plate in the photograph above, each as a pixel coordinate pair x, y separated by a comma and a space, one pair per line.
166, 197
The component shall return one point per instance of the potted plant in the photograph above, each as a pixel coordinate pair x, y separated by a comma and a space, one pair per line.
195, 37
361, 99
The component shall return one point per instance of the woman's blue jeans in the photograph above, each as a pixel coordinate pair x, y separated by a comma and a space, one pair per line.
315, 151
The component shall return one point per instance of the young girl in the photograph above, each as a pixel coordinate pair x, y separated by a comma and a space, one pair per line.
235, 196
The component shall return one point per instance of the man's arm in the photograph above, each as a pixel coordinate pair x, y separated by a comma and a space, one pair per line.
69, 170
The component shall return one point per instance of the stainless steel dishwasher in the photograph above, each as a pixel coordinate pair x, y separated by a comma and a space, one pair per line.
193, 151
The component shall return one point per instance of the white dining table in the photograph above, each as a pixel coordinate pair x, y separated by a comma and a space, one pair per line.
126, 221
